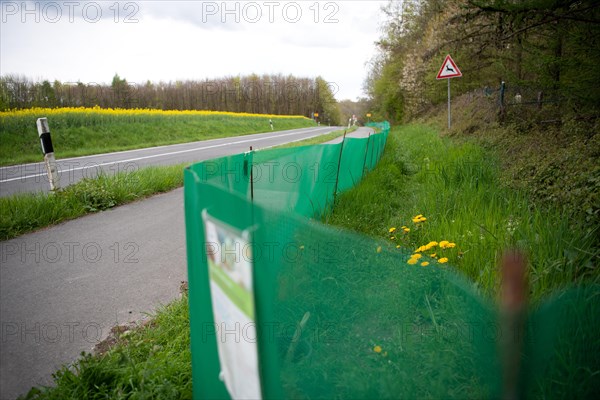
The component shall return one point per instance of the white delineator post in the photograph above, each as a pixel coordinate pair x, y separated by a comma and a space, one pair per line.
49, 160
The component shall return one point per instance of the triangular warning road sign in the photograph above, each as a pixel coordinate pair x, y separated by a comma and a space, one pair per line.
449, 69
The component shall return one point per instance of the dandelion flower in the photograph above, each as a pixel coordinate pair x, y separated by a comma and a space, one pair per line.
416, 256
405, 229
433, 255
398, 246
418, 218
443, 260
379, 249
412, 261
392, 229
424, 263
444, 244
392, 237
377, 349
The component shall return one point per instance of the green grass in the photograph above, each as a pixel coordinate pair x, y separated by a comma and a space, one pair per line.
24, 213
151, 362
456, 186
86, 133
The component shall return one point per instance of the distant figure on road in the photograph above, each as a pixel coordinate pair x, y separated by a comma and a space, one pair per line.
271, 123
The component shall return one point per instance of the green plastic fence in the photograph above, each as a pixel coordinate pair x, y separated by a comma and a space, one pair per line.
321, 329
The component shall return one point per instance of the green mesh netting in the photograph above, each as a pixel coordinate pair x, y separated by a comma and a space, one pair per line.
340, 315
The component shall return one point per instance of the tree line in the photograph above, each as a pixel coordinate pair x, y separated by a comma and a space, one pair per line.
549, 47
266, 94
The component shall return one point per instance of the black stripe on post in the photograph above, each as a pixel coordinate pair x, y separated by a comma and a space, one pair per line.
46, 143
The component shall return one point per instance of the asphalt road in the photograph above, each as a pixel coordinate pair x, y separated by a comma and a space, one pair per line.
33, 177
63, 288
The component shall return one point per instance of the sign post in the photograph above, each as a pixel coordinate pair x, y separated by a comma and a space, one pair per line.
447, 71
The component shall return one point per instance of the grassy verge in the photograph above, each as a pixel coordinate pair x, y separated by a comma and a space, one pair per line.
80, 132
554, 163
24, 213
457, 187
150, 362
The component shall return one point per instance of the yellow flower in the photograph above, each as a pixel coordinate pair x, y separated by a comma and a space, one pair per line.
96, 110
433, 255
405, 229
431, 244
416, 256
424, 263
379, 249
444, 244
398, 246
420, 249
443, 260
377, 349
392, 229
412, 261
418, 218
392, 237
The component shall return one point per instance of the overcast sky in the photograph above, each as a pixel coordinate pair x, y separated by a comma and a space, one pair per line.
90, 41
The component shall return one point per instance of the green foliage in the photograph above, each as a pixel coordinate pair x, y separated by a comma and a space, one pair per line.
387, 92
543, 44
326, 105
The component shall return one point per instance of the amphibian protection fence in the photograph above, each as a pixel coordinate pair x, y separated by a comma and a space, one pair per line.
282, 306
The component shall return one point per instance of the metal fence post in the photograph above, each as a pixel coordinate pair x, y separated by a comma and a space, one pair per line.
501, 99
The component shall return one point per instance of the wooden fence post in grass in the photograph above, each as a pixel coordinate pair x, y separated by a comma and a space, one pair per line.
48, 150
513, 308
